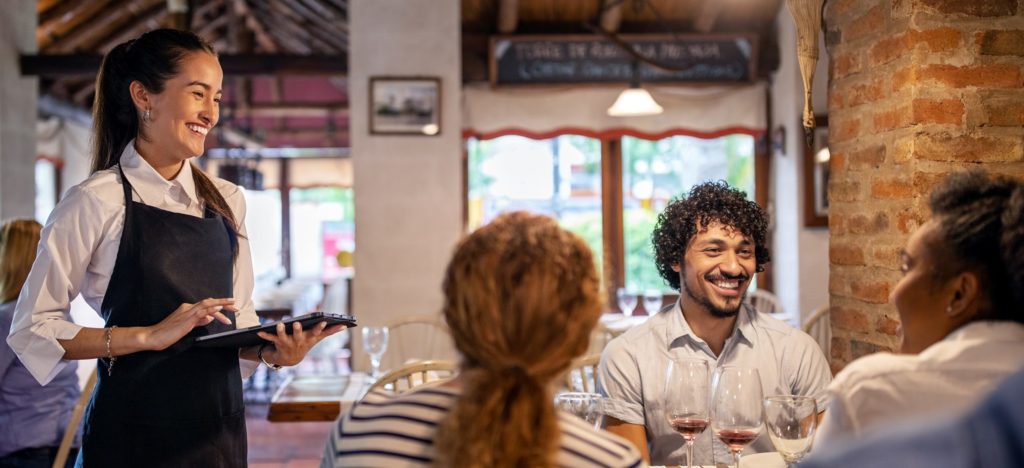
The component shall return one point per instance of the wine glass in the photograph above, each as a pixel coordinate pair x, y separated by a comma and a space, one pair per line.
627, 301
586, 406
791, 422
652, 301
686, 400
375, 342
737, 410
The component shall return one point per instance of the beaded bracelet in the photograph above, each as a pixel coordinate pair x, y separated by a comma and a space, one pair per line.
111, 359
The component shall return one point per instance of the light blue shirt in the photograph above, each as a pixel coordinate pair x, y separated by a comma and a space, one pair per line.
31, 415
633, 367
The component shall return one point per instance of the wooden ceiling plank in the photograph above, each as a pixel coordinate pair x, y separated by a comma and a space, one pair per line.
87, 38
704, 21
44, 6
286, 31
58, 12
153, 21
52, 31
611, 15
508, 16
318, 27
263, 38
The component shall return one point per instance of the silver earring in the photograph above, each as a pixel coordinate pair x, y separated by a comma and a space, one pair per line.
146, 117
949, 310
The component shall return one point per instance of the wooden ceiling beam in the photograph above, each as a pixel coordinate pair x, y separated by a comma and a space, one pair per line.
93, 33
233, 64
611, 15
154, 20
318, 26
55, 12
508, 16
286, 21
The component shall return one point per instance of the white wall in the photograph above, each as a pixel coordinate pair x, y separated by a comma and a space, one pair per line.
799, 254
408, 189
18, 97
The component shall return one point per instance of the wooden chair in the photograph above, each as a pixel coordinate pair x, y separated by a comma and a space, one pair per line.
417, 338
414, 374
819, 327
76, 416
582, 376
764, 301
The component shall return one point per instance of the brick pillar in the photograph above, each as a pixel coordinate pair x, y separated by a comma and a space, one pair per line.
918, 88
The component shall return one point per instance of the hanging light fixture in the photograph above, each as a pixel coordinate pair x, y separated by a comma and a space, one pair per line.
634, 101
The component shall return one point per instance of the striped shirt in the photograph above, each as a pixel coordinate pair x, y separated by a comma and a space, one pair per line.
398, 431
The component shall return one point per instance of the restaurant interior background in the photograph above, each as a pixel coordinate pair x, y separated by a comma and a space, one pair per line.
909, 89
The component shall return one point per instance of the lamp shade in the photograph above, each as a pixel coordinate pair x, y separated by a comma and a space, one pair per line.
634, 102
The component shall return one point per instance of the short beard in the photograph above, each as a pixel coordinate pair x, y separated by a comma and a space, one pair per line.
716, 311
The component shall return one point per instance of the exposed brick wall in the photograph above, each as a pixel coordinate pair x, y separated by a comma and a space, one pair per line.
917, 88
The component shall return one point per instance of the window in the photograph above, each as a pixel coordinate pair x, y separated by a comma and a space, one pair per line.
558, 177
610, 193
321, 226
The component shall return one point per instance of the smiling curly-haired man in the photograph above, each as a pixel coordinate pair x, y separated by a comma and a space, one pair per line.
708, 246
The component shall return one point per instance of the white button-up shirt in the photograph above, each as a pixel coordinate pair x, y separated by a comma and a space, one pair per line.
633, 368
78, 249
948, 377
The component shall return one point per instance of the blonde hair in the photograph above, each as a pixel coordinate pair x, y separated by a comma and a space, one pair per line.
521, 298
19, 239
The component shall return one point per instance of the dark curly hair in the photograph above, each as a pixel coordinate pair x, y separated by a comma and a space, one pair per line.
980, 220
706, 203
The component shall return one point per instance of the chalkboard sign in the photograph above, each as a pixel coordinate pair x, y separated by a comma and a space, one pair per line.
524, 60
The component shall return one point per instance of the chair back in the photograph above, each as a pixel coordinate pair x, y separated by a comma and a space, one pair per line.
582, 376
414, 374
76, 416
819, 327
764, 301
417, 338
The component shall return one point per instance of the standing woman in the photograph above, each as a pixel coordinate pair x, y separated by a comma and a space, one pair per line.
159, 248
34, 417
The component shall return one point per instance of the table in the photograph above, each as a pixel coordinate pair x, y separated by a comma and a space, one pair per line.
317, 397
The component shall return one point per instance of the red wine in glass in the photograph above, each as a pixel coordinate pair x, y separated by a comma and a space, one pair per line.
688, 426
737, 439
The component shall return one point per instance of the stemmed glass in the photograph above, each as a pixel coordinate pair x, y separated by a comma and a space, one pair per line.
791, 422
586, 406
737, 410
375, 342
686, 400
652, 301
627, 301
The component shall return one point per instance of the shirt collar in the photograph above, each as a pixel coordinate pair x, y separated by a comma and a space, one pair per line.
148, 183
679, 328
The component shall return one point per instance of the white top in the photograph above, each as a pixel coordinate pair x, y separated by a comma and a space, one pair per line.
78, 249
633, 367
398, 431
948, 377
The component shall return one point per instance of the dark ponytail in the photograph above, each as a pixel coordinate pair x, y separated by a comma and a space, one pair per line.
1012, 242
151, 59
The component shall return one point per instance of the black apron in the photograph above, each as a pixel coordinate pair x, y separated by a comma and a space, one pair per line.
180, 407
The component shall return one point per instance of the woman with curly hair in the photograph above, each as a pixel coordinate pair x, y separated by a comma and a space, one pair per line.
708, 246
521, 298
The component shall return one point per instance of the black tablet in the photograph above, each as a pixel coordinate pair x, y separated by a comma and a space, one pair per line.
246, 337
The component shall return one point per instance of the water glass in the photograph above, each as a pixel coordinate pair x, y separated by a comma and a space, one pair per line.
652, 301
627, 301
791, 422
737, 410
375, 342
686, 400
586, 406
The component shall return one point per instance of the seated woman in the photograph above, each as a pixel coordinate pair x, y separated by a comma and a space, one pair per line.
961, 308
33, 416
521, 296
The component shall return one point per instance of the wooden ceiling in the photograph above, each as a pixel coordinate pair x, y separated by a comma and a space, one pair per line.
284, 85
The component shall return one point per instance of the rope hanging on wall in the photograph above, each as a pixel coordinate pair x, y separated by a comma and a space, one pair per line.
807, 16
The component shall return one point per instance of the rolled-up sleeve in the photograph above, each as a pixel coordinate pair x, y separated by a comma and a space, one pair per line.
619, 382
42, 316
810, 374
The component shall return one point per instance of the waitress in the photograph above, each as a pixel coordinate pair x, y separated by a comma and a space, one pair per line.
159, 249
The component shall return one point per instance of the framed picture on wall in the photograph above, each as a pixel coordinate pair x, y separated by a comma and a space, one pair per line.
816, 175
405, 106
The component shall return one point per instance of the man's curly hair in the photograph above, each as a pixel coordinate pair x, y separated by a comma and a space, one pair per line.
707, 202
